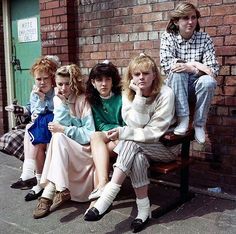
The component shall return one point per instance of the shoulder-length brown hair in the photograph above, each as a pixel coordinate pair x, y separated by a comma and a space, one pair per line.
142, 62
182, 9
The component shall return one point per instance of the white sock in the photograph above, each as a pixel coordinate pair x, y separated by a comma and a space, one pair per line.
49, 191
29, 166
59, 188
37, 188
108, 195
143, 208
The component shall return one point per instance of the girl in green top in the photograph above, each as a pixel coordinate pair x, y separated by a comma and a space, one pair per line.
104, 94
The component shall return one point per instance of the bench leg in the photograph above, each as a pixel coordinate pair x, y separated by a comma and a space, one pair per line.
185, 195
184, 173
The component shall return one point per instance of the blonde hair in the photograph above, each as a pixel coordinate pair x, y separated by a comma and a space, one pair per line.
142, 62
182, 9
77, 83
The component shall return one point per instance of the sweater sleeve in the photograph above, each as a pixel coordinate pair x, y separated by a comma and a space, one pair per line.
157, 123
82, 126
61, 112
135, 113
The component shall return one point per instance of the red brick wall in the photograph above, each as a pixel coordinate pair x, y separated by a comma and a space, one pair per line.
117, 30
3, 92
57, 19
89, 31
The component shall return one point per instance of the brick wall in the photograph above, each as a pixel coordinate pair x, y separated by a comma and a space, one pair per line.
3, 93
57, 19
89, 31
118, 30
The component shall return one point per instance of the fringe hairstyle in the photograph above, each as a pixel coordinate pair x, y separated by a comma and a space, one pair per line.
47, 65
105, 69
77, 84
143, 63
182, 9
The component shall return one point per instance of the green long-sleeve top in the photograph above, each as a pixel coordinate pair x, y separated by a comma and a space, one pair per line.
108, 115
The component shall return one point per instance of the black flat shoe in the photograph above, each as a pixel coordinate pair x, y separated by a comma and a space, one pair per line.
138, 225
24, 184
31, 195
92, 215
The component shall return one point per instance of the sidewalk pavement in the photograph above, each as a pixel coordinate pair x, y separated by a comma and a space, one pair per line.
203, 214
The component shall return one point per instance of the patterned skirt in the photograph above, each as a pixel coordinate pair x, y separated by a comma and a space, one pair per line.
12, 143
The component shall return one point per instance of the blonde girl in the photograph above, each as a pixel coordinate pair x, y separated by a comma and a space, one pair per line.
148, 111
68, 170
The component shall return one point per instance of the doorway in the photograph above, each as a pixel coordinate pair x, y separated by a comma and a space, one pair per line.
26, 45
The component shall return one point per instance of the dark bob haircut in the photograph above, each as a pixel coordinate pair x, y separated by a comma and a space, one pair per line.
106, 69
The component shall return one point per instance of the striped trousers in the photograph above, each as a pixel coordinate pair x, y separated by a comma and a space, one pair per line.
134, 157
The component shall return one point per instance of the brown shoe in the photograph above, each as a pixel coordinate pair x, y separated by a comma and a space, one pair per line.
43, 208
60, 198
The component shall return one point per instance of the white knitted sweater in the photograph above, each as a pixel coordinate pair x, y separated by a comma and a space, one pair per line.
147, 119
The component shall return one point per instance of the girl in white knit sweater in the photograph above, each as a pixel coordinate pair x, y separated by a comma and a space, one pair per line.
148, 110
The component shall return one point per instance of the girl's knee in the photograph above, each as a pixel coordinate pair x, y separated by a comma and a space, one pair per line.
98, 136
178, 78
207, 82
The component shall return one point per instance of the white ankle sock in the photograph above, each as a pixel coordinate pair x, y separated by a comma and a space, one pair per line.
108, 195
59, 188
29, 166
49, 191
143, 208
37, 188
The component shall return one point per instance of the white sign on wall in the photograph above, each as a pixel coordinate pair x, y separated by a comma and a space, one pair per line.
27, 29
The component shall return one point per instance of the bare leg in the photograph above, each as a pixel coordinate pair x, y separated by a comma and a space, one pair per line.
101, 156
118, 176
40, 158
141, 192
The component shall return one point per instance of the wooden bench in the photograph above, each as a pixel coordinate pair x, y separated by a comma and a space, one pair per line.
181, 165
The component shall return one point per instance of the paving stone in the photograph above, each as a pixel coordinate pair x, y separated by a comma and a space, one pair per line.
202, 215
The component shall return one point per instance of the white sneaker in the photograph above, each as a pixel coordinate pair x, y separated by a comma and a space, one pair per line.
182, 127
200, 136
95, 194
